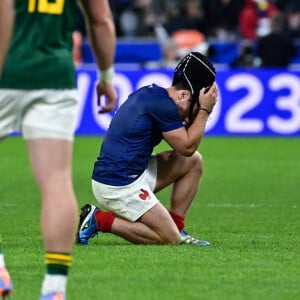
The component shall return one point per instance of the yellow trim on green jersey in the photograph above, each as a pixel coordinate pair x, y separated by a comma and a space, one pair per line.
40, 54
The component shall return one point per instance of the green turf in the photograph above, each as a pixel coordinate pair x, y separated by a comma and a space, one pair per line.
247, 207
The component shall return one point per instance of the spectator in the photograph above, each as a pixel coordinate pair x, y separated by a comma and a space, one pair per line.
246, 57
286, 5
222, 17
291, 9
137, 19
275, 49
266, 9
248, 20
191, 18
293, 23
118, 7
183, 34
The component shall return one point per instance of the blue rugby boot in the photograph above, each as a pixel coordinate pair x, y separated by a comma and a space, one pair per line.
54, 296
87, 227
187, 239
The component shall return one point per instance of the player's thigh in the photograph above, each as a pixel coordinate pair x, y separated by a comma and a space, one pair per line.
50, 159
130, 201
172, 165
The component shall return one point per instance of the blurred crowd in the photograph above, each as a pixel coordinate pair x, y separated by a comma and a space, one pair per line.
260, 26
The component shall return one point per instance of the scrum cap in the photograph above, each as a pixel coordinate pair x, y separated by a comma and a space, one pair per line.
197, 71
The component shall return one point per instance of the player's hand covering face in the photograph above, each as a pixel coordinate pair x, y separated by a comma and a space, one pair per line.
207, 99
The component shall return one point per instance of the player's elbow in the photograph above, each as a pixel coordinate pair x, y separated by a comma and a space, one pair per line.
187, 151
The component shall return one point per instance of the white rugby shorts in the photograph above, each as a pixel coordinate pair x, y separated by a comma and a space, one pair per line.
129, 201
45, 113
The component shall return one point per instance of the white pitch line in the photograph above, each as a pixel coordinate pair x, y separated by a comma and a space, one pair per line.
251, 205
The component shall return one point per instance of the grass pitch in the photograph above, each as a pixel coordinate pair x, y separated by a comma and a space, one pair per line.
247, 207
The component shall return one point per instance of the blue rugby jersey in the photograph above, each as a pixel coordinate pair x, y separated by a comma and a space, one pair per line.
134, 131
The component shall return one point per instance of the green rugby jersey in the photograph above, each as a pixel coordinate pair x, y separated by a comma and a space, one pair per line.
40, 53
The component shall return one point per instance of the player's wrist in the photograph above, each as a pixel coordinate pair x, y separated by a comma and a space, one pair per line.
208, 111
107, 74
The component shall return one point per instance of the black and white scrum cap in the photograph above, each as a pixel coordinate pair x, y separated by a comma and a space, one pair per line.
198, 72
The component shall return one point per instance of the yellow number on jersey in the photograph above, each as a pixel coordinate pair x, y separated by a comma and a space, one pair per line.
44, 7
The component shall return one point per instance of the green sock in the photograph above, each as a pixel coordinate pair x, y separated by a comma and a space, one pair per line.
58, 263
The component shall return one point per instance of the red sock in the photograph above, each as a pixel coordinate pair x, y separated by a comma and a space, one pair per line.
104, 220
179, 220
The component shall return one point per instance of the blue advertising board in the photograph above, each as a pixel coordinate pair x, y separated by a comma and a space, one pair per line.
251, 102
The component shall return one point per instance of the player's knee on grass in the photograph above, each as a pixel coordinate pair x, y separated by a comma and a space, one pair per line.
172, 241
170, 238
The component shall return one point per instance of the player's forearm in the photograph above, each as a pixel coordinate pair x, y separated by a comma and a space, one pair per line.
103, 41
6, 28
196, 131
186, 140
101, 31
